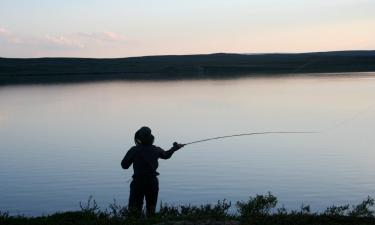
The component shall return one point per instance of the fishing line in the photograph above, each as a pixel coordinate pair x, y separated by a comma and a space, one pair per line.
308, 63
341, 123
347, 120
254, 133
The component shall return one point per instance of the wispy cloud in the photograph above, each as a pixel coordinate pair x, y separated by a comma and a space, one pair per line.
106, 36
61, 41
64, 41
3, 31
9, 36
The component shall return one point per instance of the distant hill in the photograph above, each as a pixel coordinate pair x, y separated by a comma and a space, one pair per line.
219, 65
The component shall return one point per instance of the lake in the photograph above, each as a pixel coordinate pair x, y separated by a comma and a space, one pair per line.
61, 143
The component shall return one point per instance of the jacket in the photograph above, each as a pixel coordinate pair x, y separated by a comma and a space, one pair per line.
145, 159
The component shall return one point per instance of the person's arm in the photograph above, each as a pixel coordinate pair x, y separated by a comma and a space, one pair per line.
128, 159
168, 154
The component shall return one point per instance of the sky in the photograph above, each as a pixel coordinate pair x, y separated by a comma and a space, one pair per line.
124, 28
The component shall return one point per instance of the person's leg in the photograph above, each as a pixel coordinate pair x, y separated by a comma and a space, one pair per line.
151, 194
136, 197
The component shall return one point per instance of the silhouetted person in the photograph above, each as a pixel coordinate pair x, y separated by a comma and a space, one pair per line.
144, 157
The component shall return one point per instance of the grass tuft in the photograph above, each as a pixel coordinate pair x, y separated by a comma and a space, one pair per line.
260, 209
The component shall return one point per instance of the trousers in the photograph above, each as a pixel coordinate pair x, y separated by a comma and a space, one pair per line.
144, 188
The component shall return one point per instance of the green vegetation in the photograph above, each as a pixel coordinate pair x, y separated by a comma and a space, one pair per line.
213, 66
260, 209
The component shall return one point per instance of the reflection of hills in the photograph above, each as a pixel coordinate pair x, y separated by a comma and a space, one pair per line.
218, 65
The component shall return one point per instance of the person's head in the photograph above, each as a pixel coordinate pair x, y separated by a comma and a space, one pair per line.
143, 136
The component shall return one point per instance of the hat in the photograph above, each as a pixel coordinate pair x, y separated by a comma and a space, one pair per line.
144, 136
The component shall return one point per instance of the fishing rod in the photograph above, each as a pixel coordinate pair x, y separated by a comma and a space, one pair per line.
254, 133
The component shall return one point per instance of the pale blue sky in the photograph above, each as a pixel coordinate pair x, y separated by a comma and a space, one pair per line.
121, 28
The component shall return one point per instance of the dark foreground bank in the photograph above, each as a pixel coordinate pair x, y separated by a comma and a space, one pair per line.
212, 66
260, 209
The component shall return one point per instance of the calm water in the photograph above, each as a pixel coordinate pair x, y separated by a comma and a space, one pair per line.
59, 144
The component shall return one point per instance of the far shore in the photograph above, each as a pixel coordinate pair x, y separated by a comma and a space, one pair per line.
185, 67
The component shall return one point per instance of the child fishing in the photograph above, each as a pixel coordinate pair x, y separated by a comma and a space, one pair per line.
144, 157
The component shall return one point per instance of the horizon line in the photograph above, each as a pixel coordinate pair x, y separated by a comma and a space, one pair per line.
197, 54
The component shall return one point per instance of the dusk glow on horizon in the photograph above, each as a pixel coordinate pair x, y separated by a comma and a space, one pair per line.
111, 28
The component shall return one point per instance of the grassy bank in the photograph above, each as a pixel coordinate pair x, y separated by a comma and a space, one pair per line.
261, 209
212, 66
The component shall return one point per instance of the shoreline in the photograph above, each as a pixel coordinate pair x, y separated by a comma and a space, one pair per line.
182, 67
261, 209
60, 80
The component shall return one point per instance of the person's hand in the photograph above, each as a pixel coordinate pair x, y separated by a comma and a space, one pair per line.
177, 145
